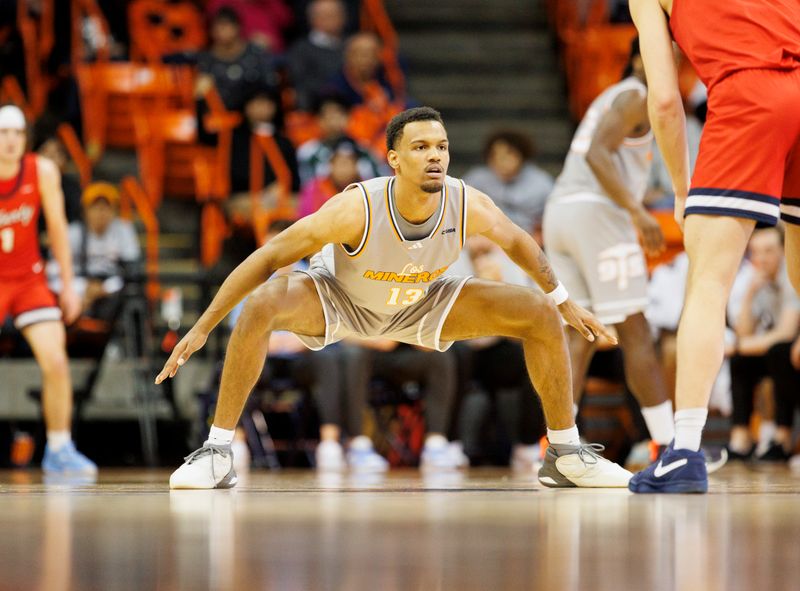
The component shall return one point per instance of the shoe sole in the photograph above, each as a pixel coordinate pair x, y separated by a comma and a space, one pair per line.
550, 477
229, 481
673, 487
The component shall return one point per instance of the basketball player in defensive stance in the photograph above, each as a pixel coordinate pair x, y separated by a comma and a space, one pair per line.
748, 170
383, 247
30, 184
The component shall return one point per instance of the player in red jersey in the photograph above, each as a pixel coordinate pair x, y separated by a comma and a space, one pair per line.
28, 184
747, 52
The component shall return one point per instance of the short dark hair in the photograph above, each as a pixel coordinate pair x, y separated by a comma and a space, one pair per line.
394, 131
228, 15
518, 141
329, 98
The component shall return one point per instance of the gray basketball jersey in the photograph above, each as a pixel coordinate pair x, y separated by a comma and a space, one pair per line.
386, 273
633, 158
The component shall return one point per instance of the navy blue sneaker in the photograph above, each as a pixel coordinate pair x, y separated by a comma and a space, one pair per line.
676, 471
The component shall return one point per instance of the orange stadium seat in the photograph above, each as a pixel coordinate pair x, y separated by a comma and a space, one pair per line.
595, 58
159, 28
673, 238
565, 15
112, 91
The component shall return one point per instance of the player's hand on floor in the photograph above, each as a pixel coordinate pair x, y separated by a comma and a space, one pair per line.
585, 323
193, 341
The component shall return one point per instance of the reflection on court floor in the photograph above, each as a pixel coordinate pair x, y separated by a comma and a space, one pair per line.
480, 530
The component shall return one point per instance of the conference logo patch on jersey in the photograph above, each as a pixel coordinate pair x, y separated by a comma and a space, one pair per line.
448, 231
410, 274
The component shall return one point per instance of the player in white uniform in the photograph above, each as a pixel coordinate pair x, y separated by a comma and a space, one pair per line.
380, 283
590, 234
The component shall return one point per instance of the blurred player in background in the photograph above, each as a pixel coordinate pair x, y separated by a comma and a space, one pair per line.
29, 184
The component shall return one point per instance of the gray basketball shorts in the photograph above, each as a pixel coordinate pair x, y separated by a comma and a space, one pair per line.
419, 324
595, 252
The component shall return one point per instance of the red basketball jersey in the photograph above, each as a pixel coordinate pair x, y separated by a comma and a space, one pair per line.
721, 37
20, 203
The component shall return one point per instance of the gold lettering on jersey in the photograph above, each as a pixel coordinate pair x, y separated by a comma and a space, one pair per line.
403, 277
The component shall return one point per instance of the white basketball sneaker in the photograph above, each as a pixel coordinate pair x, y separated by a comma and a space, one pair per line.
581, 466
439, 454
362, 457
211, 466
329, 457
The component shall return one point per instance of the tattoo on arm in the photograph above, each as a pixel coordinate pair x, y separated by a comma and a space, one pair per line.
546, 271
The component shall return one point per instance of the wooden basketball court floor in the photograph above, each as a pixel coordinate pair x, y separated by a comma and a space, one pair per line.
483, 530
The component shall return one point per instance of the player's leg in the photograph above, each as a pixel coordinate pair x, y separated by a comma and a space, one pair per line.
715, 245
645, 378
573, 259
48, 342
790, 213
581, 352
289, 302
533, 318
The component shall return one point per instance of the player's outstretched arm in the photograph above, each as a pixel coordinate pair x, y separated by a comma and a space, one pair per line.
340, 220
485, 218
663, 97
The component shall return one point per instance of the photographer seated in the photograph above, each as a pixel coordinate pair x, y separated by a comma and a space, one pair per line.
104, 248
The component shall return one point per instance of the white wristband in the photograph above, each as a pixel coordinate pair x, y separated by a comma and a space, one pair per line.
559, 294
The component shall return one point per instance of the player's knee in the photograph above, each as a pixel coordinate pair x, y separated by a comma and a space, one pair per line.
261, 307
544, 322
54, 364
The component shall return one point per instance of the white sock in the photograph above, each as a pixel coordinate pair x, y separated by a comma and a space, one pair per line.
58, 439
564, 436
217, 436
660, 422
689, 424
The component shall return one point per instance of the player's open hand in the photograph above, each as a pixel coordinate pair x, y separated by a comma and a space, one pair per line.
193, 341
584, 322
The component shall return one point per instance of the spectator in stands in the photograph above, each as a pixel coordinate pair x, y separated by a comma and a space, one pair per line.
517, 185
263, 21
343, 171
263, 114
314, 155
103, 248
50, 146
783, 364
352, 9
233, 65
315, 59
769, 315
361, 79
397, 364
